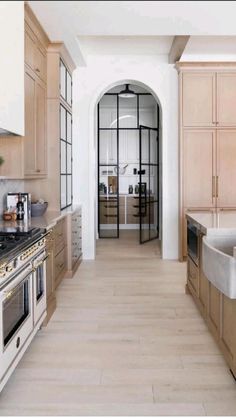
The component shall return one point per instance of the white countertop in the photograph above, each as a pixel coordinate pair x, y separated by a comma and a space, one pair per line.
214, 223
48, 220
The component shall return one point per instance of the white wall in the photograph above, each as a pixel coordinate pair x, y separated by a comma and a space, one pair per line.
90, 83
12, 66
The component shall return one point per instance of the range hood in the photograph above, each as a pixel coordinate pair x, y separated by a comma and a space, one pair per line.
5, 133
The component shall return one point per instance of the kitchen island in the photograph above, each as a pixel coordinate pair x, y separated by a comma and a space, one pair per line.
205, 283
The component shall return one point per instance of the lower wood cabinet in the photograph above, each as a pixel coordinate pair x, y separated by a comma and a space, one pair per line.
193, 277
50, 272
228, 328
74, 245
218, 310
214, 314
60, 245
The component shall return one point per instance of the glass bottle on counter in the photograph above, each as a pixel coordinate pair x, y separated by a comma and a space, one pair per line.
20, 208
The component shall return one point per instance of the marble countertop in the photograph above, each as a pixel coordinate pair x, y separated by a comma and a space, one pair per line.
48, 220
214, 222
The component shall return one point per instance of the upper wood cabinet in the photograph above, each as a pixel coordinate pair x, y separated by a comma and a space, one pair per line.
226, 99
209, 99
35, 133
35, 54
199, 108
199, 168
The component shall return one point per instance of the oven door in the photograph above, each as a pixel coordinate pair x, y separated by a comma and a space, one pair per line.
16, 317
193, 242
39, 287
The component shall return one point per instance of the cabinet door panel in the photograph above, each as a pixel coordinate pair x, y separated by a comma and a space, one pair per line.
228, 330
199, 168
203, 290
214, 309
30, 125
199, 99
29, 49
40, 63
226, 168
226, 99
40, 129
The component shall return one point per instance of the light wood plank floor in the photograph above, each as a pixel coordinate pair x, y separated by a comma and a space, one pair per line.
124, 340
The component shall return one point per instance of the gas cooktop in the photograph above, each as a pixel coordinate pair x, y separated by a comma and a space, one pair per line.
14, 239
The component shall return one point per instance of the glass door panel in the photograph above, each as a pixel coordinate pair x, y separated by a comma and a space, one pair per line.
108, 179
62, 80
128, 116
68, 88
147, 111
148, 180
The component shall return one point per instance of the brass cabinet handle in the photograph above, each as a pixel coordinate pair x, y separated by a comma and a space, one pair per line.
213, 187
217, 186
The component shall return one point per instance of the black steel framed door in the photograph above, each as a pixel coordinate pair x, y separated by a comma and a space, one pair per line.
148, 184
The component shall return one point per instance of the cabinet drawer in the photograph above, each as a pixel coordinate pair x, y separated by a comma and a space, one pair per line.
193, 276
132, 200
132, 219
60, 235
60, 262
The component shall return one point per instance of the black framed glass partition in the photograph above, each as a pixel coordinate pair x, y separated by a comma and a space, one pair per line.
108, 163
66, 157
119, 132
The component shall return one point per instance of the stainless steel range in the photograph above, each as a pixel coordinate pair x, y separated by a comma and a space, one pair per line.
22, 293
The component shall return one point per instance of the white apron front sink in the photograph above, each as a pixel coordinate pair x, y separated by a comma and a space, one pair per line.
219, 264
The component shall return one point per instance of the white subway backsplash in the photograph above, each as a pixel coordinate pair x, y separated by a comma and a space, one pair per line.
9, 186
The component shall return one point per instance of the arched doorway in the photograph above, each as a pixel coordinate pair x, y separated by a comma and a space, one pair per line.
129, 162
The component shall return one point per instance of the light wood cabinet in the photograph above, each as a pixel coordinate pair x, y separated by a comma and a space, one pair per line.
199, 108
226, 168
30, 150
50, 279
35, 131
60, 250
226, 99
74, 241
218, 311
214, 310
203, 291
207, 139
199, 148
228, 329
193, 277
35, 54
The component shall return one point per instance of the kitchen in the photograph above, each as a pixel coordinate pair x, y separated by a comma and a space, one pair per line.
98, 326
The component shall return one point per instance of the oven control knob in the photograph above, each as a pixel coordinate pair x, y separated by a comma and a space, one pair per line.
9, 268
2, 274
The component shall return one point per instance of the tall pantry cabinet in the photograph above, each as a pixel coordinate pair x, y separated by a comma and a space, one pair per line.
207, 93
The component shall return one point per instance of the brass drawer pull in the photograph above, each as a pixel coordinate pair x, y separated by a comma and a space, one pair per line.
217, 186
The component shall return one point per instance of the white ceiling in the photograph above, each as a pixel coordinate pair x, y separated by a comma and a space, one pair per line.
212, 48
86, 26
